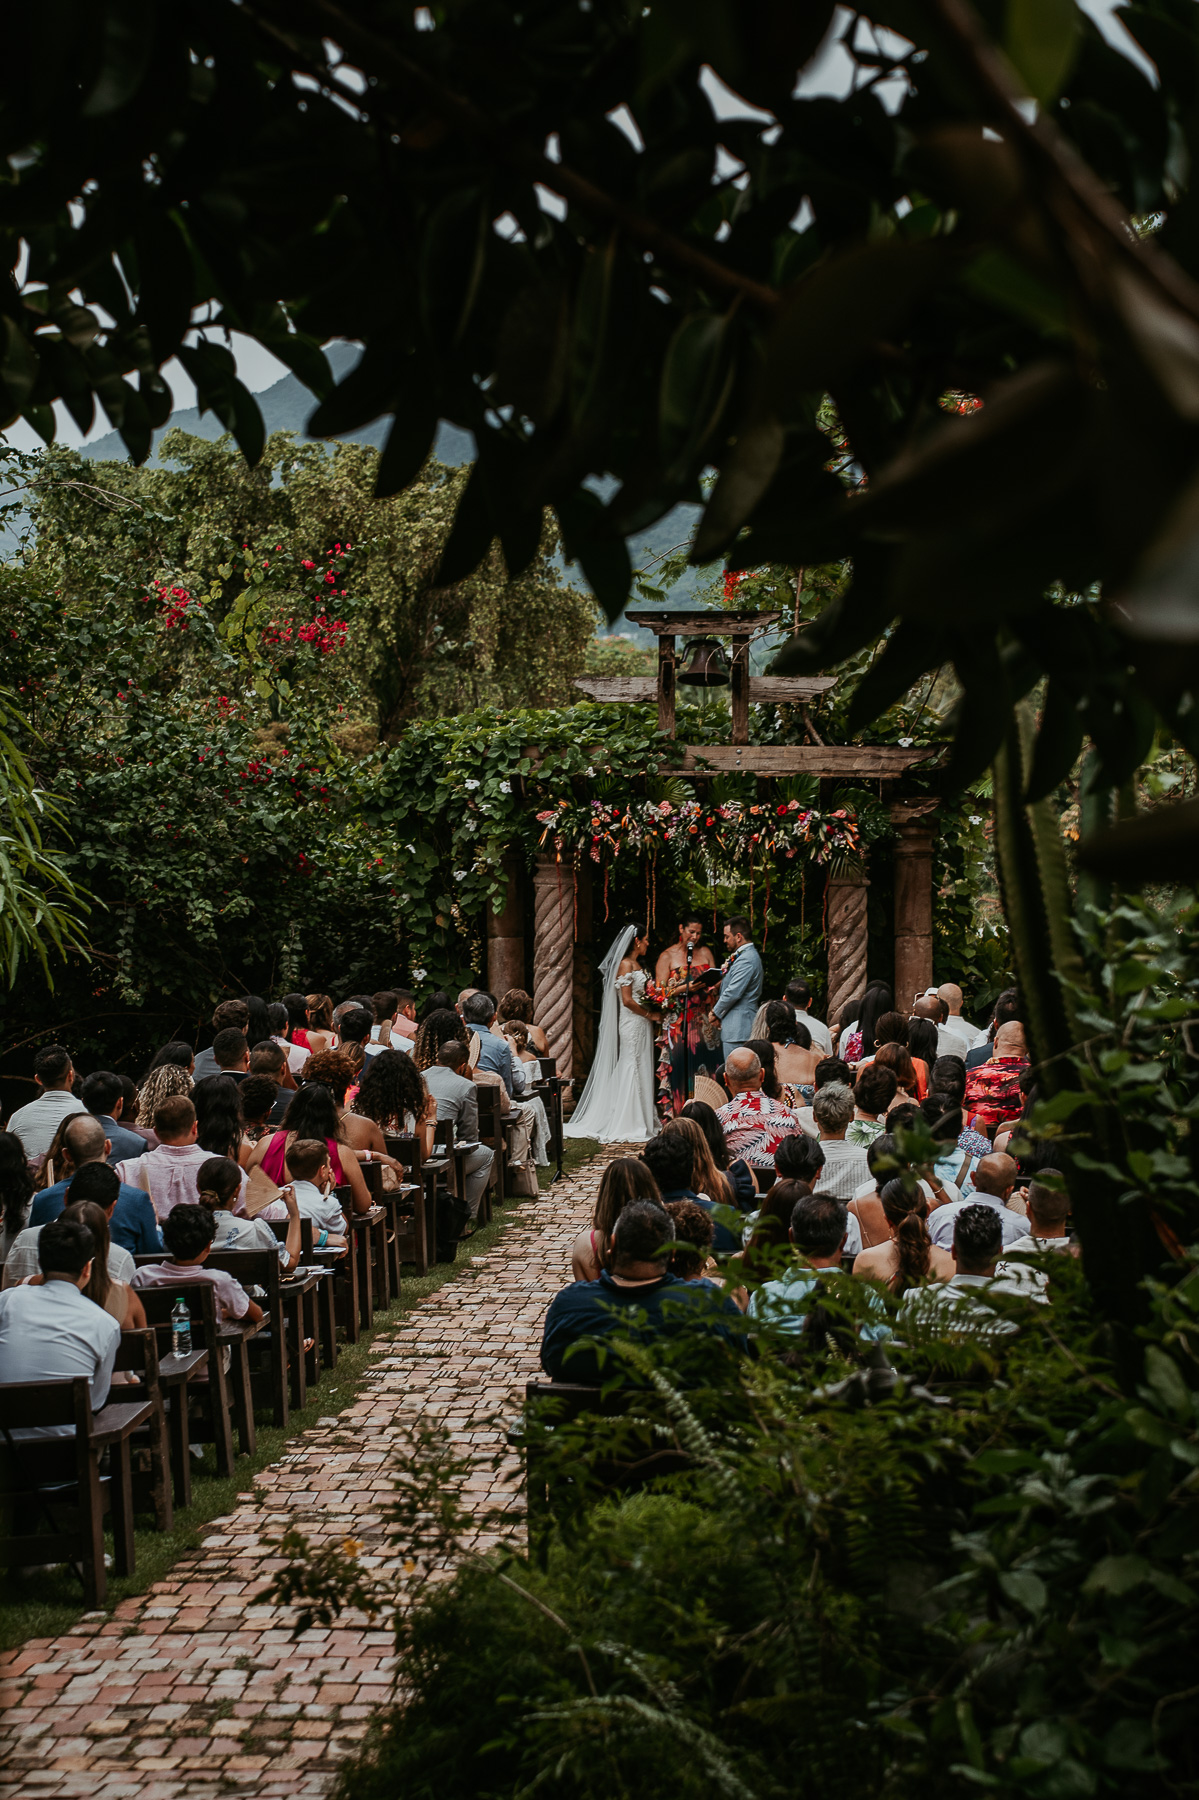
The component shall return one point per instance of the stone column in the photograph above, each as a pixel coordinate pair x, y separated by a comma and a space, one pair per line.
553, 958
914, 832
506, 933
584, 970
846, 935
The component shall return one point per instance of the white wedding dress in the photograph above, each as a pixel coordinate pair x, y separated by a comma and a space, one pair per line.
617, 1103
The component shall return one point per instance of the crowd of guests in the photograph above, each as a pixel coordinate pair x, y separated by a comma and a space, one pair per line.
885, 1145
272, 1123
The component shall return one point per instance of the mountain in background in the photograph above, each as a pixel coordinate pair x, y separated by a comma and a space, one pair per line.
287, 406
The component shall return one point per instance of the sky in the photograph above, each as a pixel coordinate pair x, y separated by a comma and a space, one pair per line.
830, 72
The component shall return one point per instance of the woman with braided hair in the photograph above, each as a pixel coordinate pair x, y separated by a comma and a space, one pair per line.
909, 1258
434, 1031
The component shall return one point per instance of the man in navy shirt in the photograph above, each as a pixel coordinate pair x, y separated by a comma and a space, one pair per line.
133, 1224
104, 1096
637, 1298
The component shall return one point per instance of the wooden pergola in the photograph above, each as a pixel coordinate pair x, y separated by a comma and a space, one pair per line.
563, 953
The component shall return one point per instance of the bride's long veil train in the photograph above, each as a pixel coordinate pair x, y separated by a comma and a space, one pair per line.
593, 1115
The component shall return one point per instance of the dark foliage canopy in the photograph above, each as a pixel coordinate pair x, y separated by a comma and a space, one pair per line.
303, 171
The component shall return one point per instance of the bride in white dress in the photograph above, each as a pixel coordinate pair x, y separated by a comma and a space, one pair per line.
617, 1103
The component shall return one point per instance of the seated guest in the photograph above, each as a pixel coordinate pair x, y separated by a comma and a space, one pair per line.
313, 1113
458, 1104
994, 1180
691, 1257
296, 1055
636, 1295
944, 1120
960, 1305
798, 996
319, 1014
1008, 1006
435, 1029
909, 1255
831, 1069
795, 1057
393, 1093
681, 1164
334, 1069
898, 1058
355, 1027
51, 1332
312, 1185
625, 1179
993, 1095
403, 1024
168, 1174
873, 1092
494, 1053
16, 1191
384, 1007
217, 1100
922, 1048
437, 1001
845, 1165
112, 1293
218, 1185
740, 1175
178, 1055
260, 1101
96, 1183
516, 1007
231, 1052
36, 1123
134, 1225
772, 1087
817, 1233
754, 1125
230, 1015
188, 1231
883, 1160
104, 1096
160, 1084
129, 1112
517, 1034
267, 1059
769, 1235
297, 1019
1048, 1211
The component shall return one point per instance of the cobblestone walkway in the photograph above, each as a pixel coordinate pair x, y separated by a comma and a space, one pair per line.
193, 1692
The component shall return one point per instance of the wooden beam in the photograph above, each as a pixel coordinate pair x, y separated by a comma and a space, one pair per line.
739, 689
764, 690
703, 621
666, 673
874, 761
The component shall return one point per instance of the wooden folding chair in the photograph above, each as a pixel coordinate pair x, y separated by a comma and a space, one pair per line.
492, 1133
59, 1481
291, 1311
416, 1223
137, 1354
225, 1398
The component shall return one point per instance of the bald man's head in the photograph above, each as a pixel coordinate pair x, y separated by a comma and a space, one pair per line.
995, 1175
928, 1007
952, 996
465, 995
1010, 1040
742, 1071
84, 1140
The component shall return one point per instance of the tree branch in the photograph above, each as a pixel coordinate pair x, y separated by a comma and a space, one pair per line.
462, 113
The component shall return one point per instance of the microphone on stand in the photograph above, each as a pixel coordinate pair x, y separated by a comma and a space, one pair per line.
687, 1025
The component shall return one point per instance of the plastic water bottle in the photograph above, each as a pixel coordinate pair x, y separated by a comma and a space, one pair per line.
181, 1328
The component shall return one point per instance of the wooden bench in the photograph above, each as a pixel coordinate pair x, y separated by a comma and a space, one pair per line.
61, 1480
224, 1398
493, 1134
291, 1317
341, 1272
137, 1354
416, 1209
367, 1239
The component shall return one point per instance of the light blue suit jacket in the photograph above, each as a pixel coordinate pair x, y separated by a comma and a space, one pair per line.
740, 997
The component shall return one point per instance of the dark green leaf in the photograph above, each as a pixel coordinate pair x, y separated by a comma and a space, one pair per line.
127, 42
470, 536
406, 451
1059, 741
908, 653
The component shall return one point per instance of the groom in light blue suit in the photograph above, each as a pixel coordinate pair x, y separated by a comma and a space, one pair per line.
740, 986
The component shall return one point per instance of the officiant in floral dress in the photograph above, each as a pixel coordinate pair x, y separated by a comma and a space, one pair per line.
684, 1049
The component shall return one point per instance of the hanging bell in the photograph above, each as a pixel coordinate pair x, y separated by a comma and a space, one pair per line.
704, 664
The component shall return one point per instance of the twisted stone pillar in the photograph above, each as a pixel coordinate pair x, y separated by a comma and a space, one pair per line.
584, 971
506, 933
553, 958
846, 935
913, 899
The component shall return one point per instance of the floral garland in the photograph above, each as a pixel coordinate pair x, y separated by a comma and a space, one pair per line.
732, 832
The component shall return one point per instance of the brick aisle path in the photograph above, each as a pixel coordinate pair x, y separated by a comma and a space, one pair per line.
191, 1691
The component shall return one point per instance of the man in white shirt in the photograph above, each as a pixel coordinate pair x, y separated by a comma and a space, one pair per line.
971, 1035
798, 996
845, 1165
1048, 1210
51, 1332
312, 1180
960, 1304
36, 1123
994, 1179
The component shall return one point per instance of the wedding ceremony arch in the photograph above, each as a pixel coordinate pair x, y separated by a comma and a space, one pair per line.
563, 883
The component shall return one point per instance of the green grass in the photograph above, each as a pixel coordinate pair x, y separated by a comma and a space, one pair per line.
45, 1603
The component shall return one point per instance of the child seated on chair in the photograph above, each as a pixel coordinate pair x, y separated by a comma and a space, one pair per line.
188, 1232
313, 1182
219, 1184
